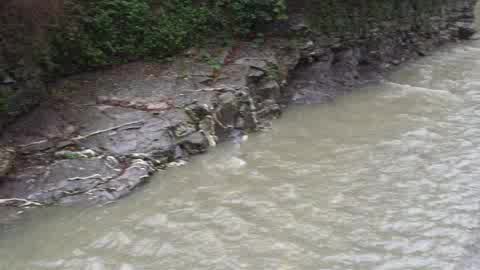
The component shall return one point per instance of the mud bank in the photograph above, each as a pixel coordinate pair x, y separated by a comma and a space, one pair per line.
103, 134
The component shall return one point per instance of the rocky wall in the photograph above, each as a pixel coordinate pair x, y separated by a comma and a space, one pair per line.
360, 19
23, 45
354, 41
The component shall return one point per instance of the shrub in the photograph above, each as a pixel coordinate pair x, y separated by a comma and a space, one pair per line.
103, 32
241, 16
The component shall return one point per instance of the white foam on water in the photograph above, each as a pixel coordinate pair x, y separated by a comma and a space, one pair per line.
398, 90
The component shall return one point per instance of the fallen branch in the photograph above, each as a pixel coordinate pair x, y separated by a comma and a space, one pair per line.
33, 143
82, 137
85, 178
25, 202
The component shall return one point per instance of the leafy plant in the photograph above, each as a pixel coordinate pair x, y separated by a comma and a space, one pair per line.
243, 15
273, 72
104, 32
97, 33
212, 61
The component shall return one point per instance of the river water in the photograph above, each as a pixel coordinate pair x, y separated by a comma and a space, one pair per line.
385, 178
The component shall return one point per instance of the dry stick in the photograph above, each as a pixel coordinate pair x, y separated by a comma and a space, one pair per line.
33, 143
25, 202
82, 137
85, 178
78, 138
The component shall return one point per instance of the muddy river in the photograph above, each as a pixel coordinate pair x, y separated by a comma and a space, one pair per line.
387, 177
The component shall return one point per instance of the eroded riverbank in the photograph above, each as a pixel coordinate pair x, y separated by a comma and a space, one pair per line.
382, 178
104, 134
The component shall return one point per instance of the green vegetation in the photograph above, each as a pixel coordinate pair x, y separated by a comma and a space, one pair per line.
41, 40
103, 32
241, 16
274, 73
360, 16
77, 35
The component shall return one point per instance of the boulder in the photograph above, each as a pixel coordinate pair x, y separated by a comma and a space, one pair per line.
195, 143
466, 32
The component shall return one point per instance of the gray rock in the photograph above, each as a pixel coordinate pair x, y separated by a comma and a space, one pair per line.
256, 73
71, 177
195, 143
153, 138
269, 89
135, 175
7, 159
466, 31
257, 63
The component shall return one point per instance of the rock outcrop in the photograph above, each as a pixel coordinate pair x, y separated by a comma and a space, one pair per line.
354, 38
107, 132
